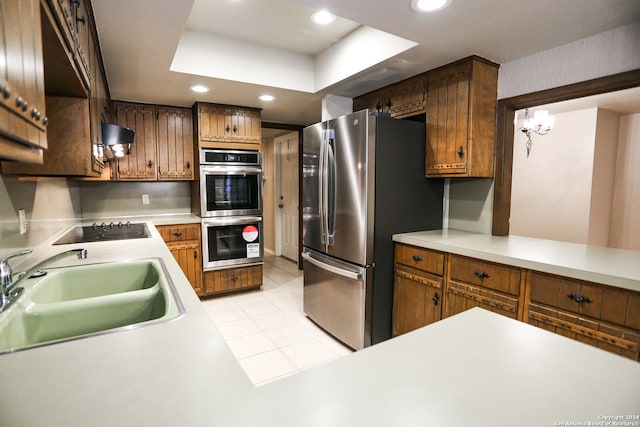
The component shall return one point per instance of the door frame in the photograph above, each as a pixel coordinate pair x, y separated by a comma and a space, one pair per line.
294, 128
505, 130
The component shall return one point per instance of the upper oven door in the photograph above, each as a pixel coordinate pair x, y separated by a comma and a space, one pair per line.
230, 190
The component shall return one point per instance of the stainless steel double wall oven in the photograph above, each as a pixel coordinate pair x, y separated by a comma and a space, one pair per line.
231, 208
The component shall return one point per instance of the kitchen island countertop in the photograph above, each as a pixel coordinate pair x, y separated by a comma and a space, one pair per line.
609, 266
476, 368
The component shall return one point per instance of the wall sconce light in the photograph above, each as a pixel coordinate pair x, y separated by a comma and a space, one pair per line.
541, 124
116, 140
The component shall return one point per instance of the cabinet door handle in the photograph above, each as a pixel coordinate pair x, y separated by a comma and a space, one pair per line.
6, 92
482, 275
580, 299
417, 258
460, 151
235, 129
188, 165
150, 164
435, 299
228, 128
195, 254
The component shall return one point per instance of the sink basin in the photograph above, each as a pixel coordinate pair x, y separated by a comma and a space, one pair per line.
77, 302
89, 281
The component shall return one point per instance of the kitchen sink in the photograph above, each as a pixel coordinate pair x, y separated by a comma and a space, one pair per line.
95, 280
78, 302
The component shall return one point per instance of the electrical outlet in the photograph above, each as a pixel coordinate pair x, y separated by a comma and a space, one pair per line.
145, 199
22, 221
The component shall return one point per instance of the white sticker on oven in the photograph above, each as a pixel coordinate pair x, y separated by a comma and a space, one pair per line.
253, 250
250, 233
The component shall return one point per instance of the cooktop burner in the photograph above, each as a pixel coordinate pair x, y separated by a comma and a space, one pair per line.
104, 232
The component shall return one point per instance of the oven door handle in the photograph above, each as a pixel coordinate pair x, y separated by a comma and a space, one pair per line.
333, 269
219, 221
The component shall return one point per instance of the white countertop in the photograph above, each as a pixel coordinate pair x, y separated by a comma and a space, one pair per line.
610, 266
474, 369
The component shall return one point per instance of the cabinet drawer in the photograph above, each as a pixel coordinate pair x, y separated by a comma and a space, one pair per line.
420, 258
613, 305
181, 232
498, 277
596, 333
461, 297
232, 279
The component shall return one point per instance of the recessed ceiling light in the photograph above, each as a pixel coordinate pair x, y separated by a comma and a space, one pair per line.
199, 88
322, 17
266, 98
428, 5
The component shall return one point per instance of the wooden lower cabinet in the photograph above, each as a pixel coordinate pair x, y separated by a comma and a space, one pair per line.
183, 241
232, 280
477, 283
598, 315
417, 288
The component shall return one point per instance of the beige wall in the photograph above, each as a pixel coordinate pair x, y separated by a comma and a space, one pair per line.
625, 229
551, 189
579, 184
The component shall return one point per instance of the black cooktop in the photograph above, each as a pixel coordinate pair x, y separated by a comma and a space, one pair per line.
104, 232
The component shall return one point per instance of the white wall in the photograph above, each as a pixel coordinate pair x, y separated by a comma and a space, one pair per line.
604, 54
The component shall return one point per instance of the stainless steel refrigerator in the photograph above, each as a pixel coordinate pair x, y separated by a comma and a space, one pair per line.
363, 181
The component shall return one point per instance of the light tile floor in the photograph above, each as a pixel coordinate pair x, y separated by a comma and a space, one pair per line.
267, 330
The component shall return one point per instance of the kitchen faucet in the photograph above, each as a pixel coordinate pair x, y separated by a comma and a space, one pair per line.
8, 291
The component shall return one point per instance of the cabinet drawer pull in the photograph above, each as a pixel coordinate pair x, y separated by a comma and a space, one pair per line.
417, 258
177, 234
579, 299
481, 275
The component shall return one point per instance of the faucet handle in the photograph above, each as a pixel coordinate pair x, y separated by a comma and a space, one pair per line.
6, 272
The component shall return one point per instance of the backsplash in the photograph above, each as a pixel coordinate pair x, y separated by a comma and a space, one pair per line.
53, 204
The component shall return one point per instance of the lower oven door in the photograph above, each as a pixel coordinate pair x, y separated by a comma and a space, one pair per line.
231, 241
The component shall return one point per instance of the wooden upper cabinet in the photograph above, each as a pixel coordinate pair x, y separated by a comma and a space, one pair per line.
175, 143
407, 98
461, 110
83, 24
22, 93
140, 164
162, 146
227, 126
403, 99
371, 101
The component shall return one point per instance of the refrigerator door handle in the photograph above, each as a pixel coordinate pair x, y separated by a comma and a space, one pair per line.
336, 270
331, 191
322, 188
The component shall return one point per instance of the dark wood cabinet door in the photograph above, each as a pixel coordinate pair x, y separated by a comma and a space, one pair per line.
417, 301
448, 120
175, 144
22, 97
140, 164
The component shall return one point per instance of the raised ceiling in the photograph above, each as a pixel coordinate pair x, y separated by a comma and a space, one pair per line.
139, 41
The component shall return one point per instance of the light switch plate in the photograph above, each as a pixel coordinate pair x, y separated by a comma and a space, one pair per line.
22, 221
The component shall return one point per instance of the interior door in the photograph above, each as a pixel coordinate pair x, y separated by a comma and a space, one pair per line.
287, 146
